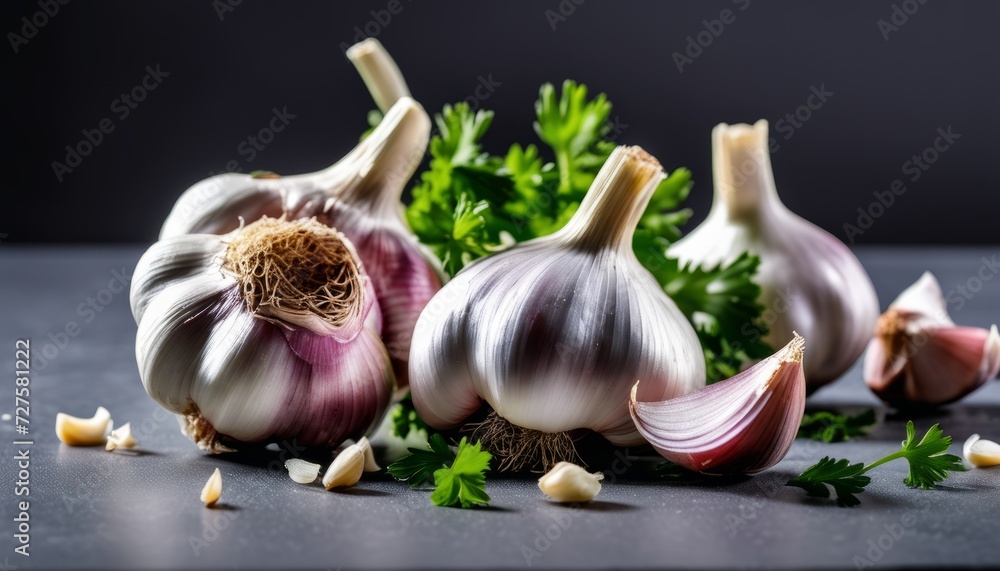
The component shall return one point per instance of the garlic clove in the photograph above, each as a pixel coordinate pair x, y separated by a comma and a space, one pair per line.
810, 280
745, 424
566, 482
981, 453
212, 491
919, 357
121, 437
346, 468
302, 471
379, 72
75, 431
370, 464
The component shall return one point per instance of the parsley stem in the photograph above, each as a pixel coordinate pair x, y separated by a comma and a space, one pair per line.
565, 176
894, 456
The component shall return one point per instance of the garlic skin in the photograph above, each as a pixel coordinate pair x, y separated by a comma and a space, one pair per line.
359, 196
121, 437
302, 471
553, 332
919, 357
568, 483
266, 334
981, 453
745, 424
810, 281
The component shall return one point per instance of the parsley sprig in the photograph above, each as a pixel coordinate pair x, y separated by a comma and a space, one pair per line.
459, 477
929, 465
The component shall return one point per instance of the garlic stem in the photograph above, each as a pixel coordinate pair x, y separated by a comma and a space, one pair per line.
744, 182
612, 208
379, 71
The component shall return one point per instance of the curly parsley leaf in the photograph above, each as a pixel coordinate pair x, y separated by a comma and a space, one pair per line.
573, 126
929, 465
827, 426
405, 419
464, 482
419, 466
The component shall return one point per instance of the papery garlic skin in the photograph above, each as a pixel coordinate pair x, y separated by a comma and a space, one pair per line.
920, 357
360, 197
745, 424
302, 471
810, 281
553, 332
261, 366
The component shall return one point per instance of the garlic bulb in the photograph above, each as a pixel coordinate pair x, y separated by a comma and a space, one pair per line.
359, 196
810, 281
552, 333
920, 357
745, 424
268, 333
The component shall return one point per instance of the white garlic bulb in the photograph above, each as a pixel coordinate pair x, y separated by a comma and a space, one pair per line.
268, 333
552, 333
810, 281
919, 357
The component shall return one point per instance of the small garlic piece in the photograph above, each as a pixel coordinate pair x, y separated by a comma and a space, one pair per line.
121, 437
213, 489
567, 482
981, 453
76, 431
370, 464
346, 469
302, 471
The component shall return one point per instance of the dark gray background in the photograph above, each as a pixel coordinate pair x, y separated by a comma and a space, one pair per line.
226, 74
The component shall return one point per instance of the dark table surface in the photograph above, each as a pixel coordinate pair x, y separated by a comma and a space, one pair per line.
93, 509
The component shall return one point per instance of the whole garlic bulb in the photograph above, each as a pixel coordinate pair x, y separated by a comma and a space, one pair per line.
918, 355
359, 196
270, 332
810, 281
553, 332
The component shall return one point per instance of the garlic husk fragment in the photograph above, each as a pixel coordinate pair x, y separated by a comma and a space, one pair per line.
553, 332
360, 197
75, 431
981, 453
366, 447
379, 71
566, 482
810, 281
346, 468
919, 357
302, 471
745, 424
212, 491
269, 333
121, 437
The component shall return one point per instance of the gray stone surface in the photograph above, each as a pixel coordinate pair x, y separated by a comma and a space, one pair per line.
94, 509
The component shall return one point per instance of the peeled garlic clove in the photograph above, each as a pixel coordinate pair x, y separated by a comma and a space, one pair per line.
275, 337
76, 431
810, 281
121, 437
213, 489
552, 333
370, 464
379, 72
981, 453
567, 482
919, 357
346, 469
302, 471
745, 424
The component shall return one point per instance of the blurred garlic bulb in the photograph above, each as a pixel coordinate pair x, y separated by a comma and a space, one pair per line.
270, 332
359, 196
810, 281
742, 425
552, 333
920, 357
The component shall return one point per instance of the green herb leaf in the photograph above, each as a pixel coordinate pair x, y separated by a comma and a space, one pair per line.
405, 418
845, 478
464, 482
827, 426
419, 466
